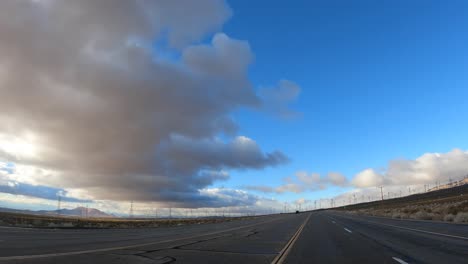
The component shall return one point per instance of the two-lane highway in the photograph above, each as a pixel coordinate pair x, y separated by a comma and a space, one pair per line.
318, 237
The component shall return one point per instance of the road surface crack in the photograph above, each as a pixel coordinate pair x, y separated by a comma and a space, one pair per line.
168, 259
253, 233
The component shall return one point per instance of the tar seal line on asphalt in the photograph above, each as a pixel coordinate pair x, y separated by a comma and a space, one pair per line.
129, 246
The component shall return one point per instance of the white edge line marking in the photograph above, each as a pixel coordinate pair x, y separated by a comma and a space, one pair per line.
399, 260
128, 246
285, 251
412, 229
349, 231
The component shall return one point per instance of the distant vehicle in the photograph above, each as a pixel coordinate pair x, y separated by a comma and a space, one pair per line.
297, 212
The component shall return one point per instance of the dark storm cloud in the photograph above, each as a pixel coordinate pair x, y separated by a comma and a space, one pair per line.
107, 115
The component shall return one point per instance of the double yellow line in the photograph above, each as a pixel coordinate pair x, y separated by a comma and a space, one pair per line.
285, 251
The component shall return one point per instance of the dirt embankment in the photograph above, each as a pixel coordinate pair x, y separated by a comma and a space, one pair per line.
451, 212
445, 205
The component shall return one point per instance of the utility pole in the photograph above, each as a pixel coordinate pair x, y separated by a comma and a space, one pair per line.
354, 198
87, 211
131, 209
388, 195
409, 190
425, 187
381, 192
170, 212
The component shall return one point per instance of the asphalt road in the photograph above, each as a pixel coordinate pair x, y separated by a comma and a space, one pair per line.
340, 238
319, 237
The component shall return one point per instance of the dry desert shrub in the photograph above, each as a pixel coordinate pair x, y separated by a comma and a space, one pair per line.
461, 217
421, 215
449, 217
450, 212
397, 215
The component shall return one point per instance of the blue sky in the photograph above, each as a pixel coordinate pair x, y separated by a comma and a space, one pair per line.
166, 107
380, 80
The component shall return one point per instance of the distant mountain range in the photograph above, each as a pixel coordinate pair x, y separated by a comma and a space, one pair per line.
79, 211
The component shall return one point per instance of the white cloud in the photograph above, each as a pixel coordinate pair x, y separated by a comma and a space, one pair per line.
276, 100
427, 169
403, 177
302, 182
367, 178
338, 179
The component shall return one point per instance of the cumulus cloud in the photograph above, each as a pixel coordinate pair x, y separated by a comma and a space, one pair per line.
426, 169
304, 181
220, 197
338, 179
368, 178
95, 111
404, 177
277, 99
241, 152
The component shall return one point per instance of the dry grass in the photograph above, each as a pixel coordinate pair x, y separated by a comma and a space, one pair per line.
450, 205
440, 211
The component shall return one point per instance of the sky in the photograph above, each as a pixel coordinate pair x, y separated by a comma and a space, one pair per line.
229, 104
